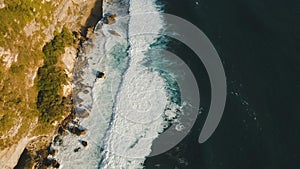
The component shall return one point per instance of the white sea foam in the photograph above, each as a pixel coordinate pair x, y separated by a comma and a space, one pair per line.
142, 98
125, 109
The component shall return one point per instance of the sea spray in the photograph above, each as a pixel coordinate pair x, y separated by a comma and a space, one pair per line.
133, 104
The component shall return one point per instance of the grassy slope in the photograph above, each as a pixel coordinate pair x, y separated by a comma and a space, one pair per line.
18, 101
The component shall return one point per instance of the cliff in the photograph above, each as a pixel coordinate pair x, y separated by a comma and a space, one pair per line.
25, 29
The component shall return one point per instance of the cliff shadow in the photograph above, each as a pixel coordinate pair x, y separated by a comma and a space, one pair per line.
94, 18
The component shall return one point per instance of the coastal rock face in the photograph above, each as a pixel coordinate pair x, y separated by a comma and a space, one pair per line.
68, 13
90, 33
68, 59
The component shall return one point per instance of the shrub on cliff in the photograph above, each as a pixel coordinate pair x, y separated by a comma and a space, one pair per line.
51, 77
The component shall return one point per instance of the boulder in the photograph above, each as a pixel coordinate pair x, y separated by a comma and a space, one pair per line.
84, 143
76, 130
80, 112
77, 149
51, 162
61, 130
55, 164
51, 151
57, 140
100, 74
109, 18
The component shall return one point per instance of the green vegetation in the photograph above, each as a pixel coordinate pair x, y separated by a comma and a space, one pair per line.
17, 100
17, 13
15, 68
51, 77
29, 100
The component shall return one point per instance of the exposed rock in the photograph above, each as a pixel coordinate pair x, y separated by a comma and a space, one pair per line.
112, 1
87, 48
68, 59
65, 123
47, 162
31, 75
8, 57
51, 151
67, 14
57, 140
113, 32
77, 149
9, 156
67, 89
85, 92
109, 18
55, 164
31, 27
90, 33
80, 112
51, 162
75, 122
100, 74
84, 143
61, 130
77, 130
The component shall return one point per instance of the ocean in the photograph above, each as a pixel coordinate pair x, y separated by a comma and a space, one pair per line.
258, 43
156, 85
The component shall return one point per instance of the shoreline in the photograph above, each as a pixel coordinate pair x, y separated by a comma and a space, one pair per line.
89, 115
90, 20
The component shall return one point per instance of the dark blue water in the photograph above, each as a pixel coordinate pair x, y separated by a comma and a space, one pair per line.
259, 44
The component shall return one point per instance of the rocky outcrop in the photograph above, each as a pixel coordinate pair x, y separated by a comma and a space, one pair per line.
72, 14
90, 33
100, 74
77, 149
78, 130
84, 143
51, 162
58, 140
109, 18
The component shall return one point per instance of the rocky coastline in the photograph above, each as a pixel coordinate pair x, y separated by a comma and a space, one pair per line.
38, 156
